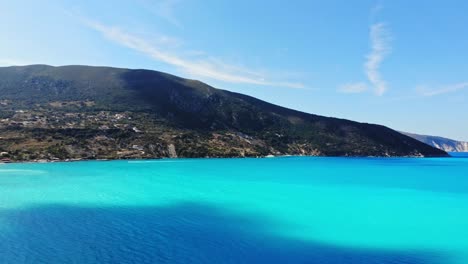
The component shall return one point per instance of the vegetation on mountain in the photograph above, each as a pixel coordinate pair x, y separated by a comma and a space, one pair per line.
83, 112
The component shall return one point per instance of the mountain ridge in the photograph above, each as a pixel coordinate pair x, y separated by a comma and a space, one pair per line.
81, 111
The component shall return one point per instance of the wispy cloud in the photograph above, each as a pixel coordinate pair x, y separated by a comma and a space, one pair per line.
380, 48
351, 88
424, 91
380, 44
204, 68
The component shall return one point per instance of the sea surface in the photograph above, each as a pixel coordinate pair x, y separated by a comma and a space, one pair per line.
459, 154
272, 210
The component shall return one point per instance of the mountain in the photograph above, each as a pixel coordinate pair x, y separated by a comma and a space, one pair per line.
83, 112
444, 144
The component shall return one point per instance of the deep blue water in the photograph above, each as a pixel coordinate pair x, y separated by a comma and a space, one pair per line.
459, 154
279, 210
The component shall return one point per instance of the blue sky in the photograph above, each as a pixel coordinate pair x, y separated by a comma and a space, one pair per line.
398, 63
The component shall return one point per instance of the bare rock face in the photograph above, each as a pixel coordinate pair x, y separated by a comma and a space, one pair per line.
444, 144
457, 146
172, 151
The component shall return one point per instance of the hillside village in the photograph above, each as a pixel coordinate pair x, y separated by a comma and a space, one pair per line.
55, 132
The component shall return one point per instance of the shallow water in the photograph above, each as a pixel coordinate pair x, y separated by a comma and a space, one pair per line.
278, 210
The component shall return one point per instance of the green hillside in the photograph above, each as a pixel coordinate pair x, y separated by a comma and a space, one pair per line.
75, 112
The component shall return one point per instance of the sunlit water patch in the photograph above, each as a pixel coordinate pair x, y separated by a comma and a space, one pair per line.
281, 210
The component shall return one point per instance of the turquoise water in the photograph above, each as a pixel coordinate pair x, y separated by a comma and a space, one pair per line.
278, 210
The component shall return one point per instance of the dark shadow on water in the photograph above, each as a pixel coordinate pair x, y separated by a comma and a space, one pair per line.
184, 233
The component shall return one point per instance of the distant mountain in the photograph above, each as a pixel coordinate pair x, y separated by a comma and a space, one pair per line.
444, 144
101, 112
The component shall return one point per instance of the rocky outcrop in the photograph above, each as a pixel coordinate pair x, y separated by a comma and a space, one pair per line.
172, 151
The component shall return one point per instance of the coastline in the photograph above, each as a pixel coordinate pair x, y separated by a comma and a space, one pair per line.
233, 157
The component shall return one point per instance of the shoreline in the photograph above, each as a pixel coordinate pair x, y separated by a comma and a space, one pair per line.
234, 157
